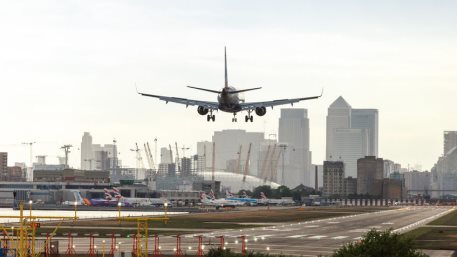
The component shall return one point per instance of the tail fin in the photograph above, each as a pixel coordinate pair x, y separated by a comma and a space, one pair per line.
117, 193
225, 58
108, 196
263, 196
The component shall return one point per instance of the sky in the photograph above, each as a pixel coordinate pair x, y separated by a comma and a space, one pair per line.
72, 66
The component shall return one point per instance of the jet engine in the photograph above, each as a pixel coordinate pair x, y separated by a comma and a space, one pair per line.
202, 110
260, 111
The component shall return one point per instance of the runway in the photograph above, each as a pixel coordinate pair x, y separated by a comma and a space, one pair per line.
309, 238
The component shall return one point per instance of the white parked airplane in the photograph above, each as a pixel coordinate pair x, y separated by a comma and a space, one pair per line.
229, 100
218, 203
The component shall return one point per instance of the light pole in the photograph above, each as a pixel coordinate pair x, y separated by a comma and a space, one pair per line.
30, 205
119, 204
165, 205
76, 209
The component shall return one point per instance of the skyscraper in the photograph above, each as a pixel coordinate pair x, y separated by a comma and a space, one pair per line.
351, 134
293, 132
367, 119
227, 145
450, 141
339, 117
87, 154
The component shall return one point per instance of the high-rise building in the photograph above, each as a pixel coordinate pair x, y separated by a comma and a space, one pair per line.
227, 147
87, 154
351, 134
450, 141
417, 182
205, 155
339, 117
294, 133
3, 165
367, 119
369, 169
334, 185
348, 146
166, 156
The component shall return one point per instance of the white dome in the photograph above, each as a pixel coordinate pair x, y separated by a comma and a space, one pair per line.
235, 181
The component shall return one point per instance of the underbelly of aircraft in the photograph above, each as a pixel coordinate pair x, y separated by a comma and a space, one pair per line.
230, 108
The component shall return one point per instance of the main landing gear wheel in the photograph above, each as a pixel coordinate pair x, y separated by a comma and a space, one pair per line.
249, 118
210, 117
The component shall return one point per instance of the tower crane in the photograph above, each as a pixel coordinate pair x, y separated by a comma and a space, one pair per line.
139, 160
152, 164
66, 149
246, 164
184, 149
238, 163
29, 169
148, 157
177, 158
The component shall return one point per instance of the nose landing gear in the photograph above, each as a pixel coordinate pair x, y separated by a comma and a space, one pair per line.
211, 116
234, 117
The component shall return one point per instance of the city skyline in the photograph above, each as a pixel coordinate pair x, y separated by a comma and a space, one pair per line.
70, 68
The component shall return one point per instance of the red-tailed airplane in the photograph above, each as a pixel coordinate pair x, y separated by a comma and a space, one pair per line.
229, 100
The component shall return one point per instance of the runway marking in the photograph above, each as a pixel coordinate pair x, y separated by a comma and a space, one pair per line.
333, 222
339, 237
387, 223
357, 238
297, 236
311, 226
316, 237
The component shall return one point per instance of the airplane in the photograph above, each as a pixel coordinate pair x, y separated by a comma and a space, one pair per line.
218, 203
107, 201
129, 201
265, 200
229, 100
245, 199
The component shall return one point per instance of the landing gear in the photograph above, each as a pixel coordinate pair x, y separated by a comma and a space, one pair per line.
211, 116
234, 117
249, 117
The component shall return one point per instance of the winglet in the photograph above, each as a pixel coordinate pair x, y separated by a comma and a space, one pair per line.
136, 88
322, 92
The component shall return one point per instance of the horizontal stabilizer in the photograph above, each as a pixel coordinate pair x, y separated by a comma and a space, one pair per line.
243, 90
204, 89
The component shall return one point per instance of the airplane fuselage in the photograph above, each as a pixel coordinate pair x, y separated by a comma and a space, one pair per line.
229, 102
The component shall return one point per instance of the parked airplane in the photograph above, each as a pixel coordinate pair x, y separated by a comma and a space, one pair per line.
245, 199
107, 201
218, 203
129, 201
265, 200
229, 100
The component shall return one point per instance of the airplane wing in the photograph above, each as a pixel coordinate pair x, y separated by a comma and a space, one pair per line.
253, 105
187, 102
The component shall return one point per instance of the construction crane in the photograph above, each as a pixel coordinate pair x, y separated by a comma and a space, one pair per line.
177, 158
238, 163
246, 164
66, 149
171, 154
152, 165
184, 149
139, 160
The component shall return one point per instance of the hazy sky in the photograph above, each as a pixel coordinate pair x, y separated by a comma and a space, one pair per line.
70, 66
